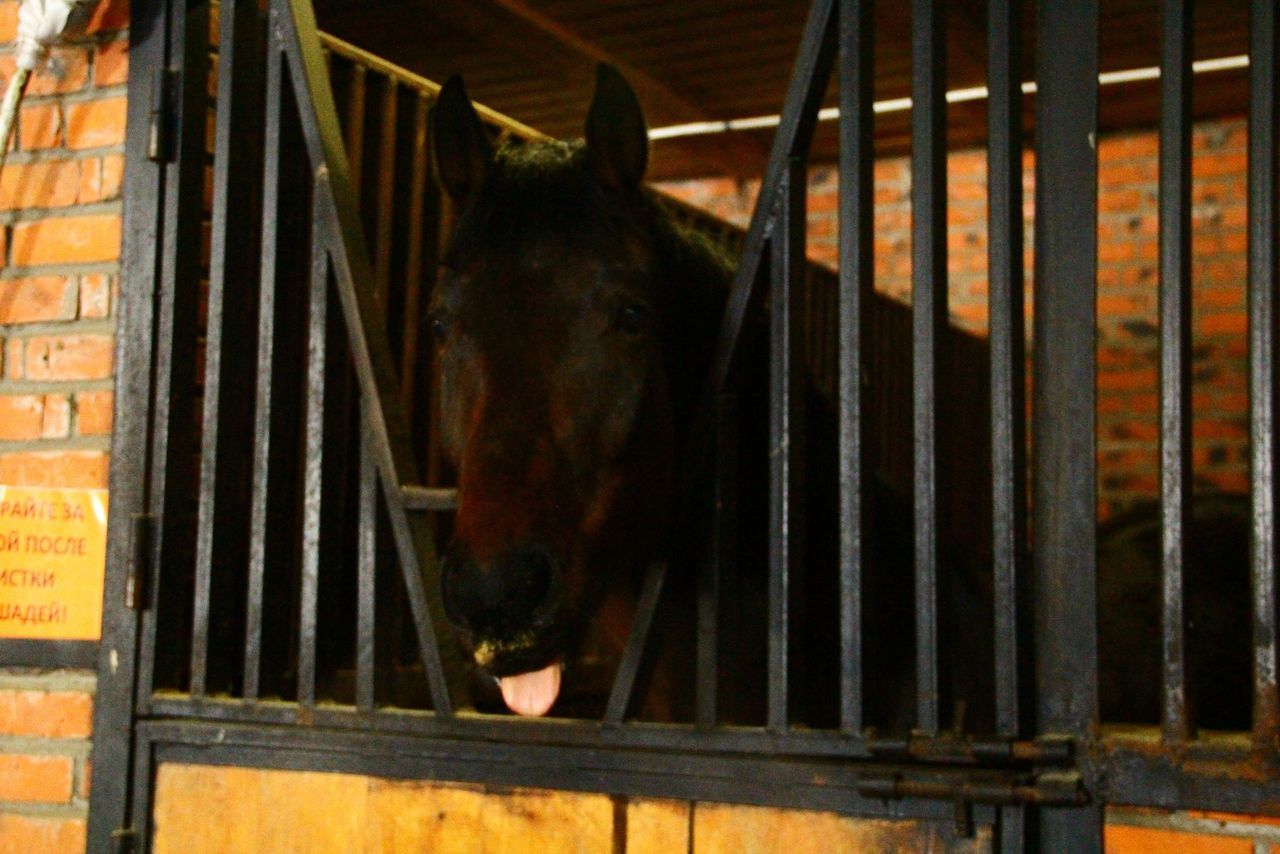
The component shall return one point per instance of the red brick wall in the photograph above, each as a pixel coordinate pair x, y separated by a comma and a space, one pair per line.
59, 265
1128, 343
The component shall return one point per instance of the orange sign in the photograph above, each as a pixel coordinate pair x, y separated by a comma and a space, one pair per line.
53, 549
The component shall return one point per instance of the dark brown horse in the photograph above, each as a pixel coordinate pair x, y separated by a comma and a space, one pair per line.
574, 322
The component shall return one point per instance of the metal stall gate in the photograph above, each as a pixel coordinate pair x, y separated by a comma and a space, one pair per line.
257, 600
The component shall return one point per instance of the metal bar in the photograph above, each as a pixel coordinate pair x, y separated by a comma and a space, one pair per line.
1011, 596
259, 506
386, 193
366, 560
1065, 396
944, 749
1263, 278
723, 532
429, 497
135, 345
929, 327
220, 536
418, 189
1008, 368
366, 327
313, 480
625, 681
1175, 356
857, 159
786, 431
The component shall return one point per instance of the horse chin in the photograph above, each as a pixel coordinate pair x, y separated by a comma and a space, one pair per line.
532, 693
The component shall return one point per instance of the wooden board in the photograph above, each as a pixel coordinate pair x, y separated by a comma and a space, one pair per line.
213, 810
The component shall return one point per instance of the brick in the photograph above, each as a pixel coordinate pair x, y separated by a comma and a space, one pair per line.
42, 835
67, 72
86, 780
57, 417
49, 184
95, 295
1128, 145
1111, 174
14, 353
46, 714
109, 15
111, 66
94, 411
112, 175
1126, 380
66, 240
1120, 839
1224, 324
100, 178
35, 779
1217, 164
90, 185
1126, 304
40, 126
70, 469
41, 298
21, 416
69, 357
91, 124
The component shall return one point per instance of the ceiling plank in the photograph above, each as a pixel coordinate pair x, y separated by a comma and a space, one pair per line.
670, 104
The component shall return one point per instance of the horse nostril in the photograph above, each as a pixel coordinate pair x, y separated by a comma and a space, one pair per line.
519, 591
540, 583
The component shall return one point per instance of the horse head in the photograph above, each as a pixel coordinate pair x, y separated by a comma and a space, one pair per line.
573, 321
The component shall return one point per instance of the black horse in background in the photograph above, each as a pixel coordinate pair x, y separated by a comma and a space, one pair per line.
575, 322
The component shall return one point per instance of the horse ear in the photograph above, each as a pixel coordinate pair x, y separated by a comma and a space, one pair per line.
464, 154
617, 141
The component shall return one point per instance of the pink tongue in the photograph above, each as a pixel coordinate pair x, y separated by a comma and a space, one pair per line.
532, 693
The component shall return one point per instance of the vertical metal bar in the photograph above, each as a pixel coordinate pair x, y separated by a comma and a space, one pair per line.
135, 346
786, 401
220, 534
386, 191
1008, 364
724, 530
1008, 389
1065, 395
1175, 354
274, 104
929, 326
313, 480
366, 557
857, 159
418, 189
1263, 270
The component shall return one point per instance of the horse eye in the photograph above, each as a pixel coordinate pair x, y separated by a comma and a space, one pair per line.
632, 319
439, 328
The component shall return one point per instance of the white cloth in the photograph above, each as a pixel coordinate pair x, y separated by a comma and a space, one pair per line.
42, 22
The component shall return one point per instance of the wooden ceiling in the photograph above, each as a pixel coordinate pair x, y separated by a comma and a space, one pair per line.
700, 60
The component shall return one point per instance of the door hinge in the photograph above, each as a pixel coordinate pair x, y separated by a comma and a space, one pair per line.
160, 126
135, 581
